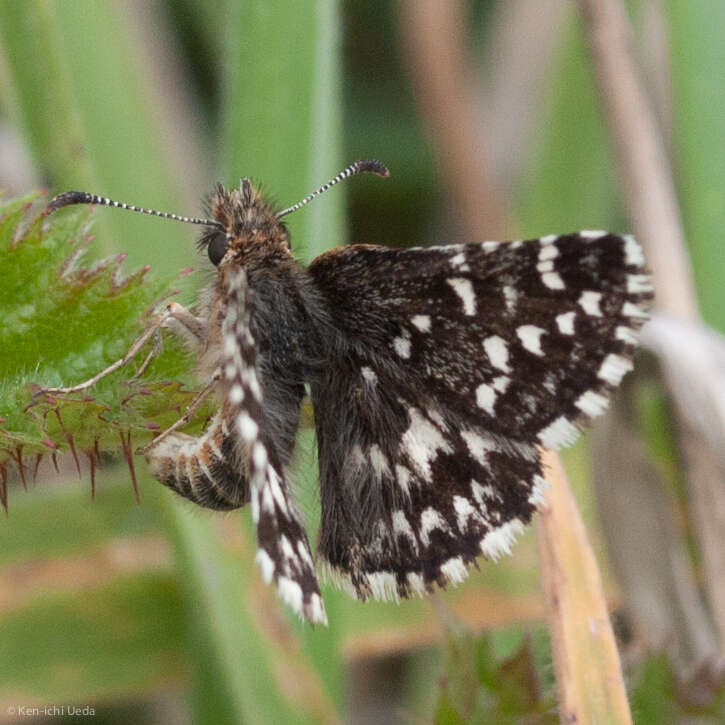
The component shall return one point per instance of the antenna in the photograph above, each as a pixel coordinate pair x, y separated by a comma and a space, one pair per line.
364, 166
83, 197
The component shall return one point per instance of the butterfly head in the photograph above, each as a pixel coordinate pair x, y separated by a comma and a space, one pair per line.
244, 223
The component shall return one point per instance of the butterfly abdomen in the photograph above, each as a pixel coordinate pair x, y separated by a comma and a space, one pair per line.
208, 470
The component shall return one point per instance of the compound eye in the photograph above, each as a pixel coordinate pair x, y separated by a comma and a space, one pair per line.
217, 248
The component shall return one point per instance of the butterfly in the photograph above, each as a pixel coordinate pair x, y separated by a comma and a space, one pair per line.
436, 374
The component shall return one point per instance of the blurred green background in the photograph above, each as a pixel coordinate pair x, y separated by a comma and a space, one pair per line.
155, 612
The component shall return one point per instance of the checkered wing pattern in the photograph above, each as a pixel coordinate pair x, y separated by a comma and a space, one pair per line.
459, 362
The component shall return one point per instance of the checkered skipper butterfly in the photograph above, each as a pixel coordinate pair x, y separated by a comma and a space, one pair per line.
435, 375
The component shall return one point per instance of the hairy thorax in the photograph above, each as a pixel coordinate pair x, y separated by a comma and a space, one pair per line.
287, 316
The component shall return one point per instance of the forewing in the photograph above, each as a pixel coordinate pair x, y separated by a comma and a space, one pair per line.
283, 553
458, 362
526, 338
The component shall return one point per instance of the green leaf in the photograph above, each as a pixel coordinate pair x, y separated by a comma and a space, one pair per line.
62, 323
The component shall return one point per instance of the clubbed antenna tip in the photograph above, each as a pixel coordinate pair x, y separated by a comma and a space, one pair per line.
364, 166
66, 199
372, 166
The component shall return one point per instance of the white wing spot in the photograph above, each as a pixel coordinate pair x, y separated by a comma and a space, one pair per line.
497, 352
464, 511
430, 520
454, 570
486, 397
631, 310
316, 610
547, 265
437, 418
637, 283
530, 336
383, 585
548, 239
422, 441
274, 484
549, 251
230, 345
304, 553
614, 368
565, 323
267, 500
589, 302
481, 493
422, 322
402, 527
287, 551
254, 505
490, 246
403, 476
464, 289
632, 251
537, 496
266, 565
510, 296
401, 345
369, 375
259, 454
356, 457
478, 445
592, 233
249, 377
379, 462
626, 334
591, 403
499, 540
552, 280
562, 432
501, 383
236, 394
291, 593
416, 583
247, 427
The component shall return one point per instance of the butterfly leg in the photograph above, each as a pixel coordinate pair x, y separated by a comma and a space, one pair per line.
173, 311
195, 404
185, 325
154, 352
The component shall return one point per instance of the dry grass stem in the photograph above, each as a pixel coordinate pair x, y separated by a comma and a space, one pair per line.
652, 205
511, 98
644, 170
433, 38
586, 661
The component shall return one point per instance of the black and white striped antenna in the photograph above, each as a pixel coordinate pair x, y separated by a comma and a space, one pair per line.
83, 197
364, 166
